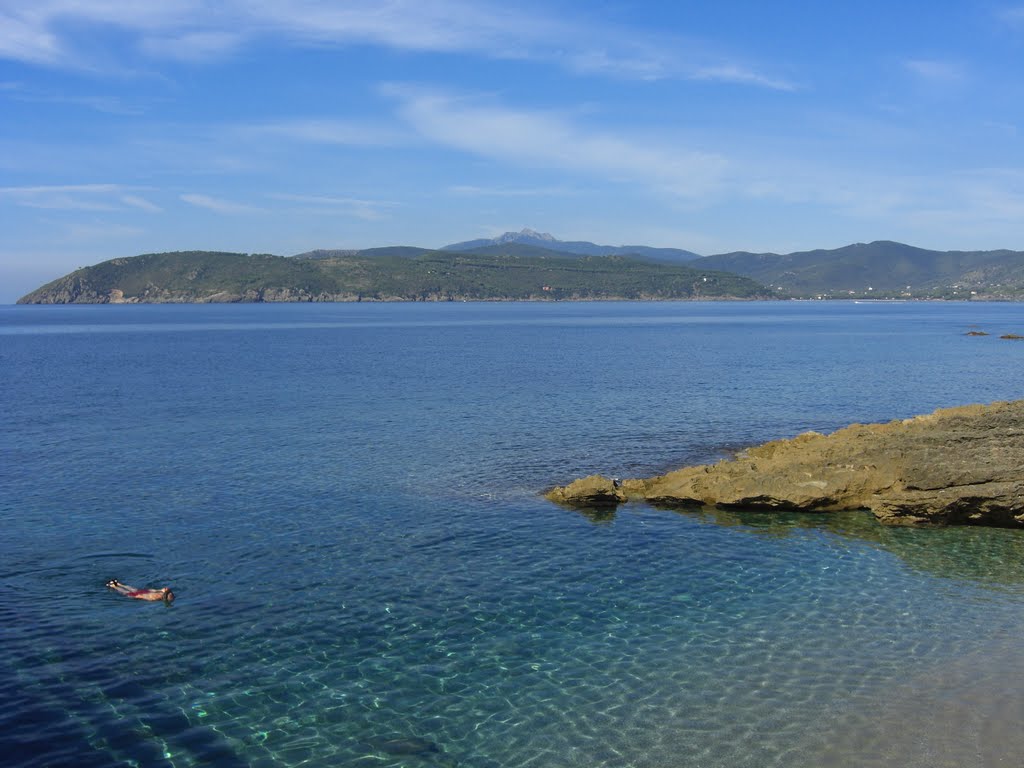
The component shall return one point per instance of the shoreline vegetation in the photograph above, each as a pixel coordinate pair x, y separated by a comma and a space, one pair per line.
527, 267
956, 466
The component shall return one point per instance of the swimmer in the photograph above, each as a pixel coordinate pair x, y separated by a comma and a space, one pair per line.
164, 593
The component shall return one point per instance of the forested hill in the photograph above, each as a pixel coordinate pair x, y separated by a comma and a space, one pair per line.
881, 268
402, 274
523, 269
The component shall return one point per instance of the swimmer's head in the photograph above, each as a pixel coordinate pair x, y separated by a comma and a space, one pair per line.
168, 595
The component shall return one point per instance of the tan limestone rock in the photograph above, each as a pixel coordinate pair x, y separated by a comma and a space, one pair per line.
955, 466
593, 491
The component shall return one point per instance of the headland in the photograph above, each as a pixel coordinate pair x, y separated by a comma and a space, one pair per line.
956, 466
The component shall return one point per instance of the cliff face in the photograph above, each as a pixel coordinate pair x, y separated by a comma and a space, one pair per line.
958, 466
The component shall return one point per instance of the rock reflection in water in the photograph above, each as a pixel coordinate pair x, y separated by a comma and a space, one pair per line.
987, 556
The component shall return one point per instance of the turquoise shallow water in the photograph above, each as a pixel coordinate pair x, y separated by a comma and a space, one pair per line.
345, 500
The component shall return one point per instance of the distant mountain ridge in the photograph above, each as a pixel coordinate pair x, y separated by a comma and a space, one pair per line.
528, 265
880, 267
579, 247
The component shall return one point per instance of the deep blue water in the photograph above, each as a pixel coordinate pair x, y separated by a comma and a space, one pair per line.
345, 499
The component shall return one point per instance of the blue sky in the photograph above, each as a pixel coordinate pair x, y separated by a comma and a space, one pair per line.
272, 126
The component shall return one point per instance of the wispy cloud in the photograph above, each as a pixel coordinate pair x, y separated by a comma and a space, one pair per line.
631, 65
195, 46
78, 197
99, 231
1012, 15
973, 204
550, 140
661, 59
141, 203
368, 210
441, 25
926, 206
198, 30
470, 190
995, 193
27, 38
106, 104
740, 75
35, 32
218, 205
937, 72
328, 131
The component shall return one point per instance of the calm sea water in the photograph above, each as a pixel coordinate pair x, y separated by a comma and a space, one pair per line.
345, 499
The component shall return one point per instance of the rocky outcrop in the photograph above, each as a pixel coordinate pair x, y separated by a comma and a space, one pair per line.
589, 492
957, 466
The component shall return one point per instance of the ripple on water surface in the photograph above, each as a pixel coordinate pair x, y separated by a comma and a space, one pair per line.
345, 503
658, 639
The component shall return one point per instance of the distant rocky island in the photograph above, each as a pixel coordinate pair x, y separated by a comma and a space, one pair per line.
956, 466
533, 266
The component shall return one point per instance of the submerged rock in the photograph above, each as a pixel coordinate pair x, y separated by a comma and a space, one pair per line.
957, 466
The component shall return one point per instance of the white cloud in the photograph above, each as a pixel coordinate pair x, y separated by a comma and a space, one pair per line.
441, 25
664, 60
27, 39
198, 30
470, 190
549, 140
78, 197
218, 205
969, 206
31, 31
344, 132
141, 203
630, 66
367, 210
733, 73
194, 46
994, 194
1013, 15
82, 197
937, 72
105, 104
99, 231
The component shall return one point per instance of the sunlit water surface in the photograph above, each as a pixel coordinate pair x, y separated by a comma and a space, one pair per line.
345, 499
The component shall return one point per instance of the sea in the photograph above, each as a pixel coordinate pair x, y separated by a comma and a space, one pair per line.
347, 500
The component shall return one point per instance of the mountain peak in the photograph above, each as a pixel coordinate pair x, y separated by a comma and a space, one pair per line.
525, 234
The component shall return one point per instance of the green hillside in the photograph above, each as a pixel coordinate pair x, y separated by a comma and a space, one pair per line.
399, 274
182, 276
880, 268
524, 271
